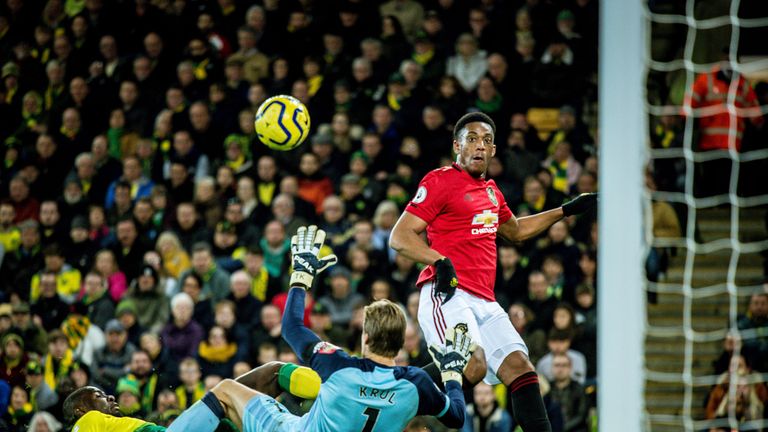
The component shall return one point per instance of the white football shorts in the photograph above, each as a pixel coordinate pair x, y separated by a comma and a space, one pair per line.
488, 323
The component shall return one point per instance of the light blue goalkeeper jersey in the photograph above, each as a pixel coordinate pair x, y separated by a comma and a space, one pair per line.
363, 396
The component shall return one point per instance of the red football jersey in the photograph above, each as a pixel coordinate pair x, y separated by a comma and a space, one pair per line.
463, 214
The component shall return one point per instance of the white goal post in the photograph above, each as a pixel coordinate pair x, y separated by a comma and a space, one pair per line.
622, 136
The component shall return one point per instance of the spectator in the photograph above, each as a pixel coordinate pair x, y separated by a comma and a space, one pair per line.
79, 249
511, 276
128, 315
175, 258
320, 324
59, 360
705, 94
415, 346
247, 306
192, 284
756, 319
540, 300
152, 308
158, 354
191, 388
569, 394
49, 309
149, 383
342, 300
559, 342
20, 411
106, 267
217, 353
44, 421
469, 64
485, 414
535, 339
182, 335
129, 249
84, 338
13, 360
572, 130
41, 396
226, 318
98, 304
140, 186
110, 362
564, 168
268, 331
276, 246
313, 186
32, 333
67, 278
749, 399
51, 226
263, 285
215, 280
188, 227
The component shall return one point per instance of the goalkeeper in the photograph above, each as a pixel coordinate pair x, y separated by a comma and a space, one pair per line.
358, 394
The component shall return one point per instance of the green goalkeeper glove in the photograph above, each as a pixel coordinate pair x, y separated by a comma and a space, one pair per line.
453, 357
305, 248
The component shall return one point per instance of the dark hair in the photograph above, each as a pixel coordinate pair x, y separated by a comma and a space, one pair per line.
73, 401
471, 118
194, 276
255, 249
53, 249
201, 247
560, 335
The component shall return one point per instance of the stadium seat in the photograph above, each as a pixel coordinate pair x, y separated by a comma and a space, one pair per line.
544, 119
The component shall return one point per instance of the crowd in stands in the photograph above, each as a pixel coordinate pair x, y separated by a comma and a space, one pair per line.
144, 229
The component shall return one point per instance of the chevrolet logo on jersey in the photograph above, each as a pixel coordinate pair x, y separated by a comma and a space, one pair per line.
488, 220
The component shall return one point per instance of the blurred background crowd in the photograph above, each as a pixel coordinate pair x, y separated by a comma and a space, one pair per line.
145, 229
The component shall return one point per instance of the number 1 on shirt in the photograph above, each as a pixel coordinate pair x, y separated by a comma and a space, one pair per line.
373, 415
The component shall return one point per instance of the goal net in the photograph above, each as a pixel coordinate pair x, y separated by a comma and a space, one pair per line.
705, 199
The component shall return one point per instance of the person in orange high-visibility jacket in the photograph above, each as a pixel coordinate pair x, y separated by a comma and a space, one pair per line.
710, 93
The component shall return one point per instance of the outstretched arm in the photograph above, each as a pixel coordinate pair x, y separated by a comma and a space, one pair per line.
300, 338
530, 226
306, 264
526, 227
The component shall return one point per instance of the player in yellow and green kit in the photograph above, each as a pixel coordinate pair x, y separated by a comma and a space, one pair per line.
92, 410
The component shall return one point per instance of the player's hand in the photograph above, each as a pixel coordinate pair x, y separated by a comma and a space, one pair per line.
453, 358
445, 278
580, 204
305, 250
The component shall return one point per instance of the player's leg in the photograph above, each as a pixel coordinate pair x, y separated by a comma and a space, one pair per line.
507, 358
234, 397
276, 377
252, 411
435, 316
203, 416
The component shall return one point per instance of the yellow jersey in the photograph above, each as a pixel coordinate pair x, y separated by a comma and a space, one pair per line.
96, 421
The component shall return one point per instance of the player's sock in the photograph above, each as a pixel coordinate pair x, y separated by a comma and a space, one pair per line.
299, 381
203, 416
527, 404
434, 372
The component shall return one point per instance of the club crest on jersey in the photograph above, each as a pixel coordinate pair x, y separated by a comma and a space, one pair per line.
488, 220
421, 195
325, 348
492, 195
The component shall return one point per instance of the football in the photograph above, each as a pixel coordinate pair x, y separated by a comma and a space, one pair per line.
282, 122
